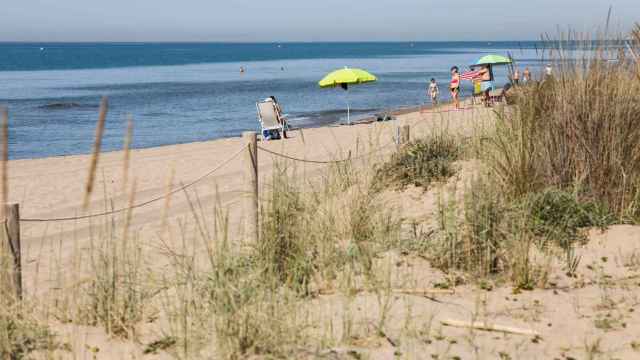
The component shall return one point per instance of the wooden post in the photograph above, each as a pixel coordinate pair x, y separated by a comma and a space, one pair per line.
251, 181
403, 134
12, 213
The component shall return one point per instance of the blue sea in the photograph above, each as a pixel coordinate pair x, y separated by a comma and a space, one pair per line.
185, 92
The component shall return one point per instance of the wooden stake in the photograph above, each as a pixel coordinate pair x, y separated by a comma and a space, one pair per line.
12, 212
251, 181
405, 134
486, 327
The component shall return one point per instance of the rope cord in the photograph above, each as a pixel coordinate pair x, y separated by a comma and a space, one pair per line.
323, 161
174, 191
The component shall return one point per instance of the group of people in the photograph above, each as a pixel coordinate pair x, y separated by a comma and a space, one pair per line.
485, 79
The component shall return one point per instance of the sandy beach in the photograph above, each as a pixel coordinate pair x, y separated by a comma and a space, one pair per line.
54, 187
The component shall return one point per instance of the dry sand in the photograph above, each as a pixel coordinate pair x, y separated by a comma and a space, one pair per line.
594, 313
54, 187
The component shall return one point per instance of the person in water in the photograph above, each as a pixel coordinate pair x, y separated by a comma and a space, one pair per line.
454, 86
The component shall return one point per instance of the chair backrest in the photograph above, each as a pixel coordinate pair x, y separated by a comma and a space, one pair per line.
477, 88
268, 115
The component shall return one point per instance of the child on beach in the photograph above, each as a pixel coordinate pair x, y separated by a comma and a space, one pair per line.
434, 91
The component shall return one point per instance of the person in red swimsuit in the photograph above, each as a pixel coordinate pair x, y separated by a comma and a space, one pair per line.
454, 86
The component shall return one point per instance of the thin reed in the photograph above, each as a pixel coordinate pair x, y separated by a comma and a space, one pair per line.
126, 148
95, 155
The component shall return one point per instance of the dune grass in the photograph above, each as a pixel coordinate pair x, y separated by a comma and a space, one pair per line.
563, 158
422, 161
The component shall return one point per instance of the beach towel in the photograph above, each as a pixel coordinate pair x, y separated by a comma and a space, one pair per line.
470, 75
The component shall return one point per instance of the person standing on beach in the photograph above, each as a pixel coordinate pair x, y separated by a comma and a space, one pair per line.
516, 76
486, 84
526, 75
548, 70
454, 86
434, 91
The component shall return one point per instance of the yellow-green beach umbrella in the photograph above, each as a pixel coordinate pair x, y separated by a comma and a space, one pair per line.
493, 60
347, 77
344, 78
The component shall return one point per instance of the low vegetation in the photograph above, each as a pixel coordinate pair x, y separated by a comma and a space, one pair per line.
422, 161
21, 334
563, 159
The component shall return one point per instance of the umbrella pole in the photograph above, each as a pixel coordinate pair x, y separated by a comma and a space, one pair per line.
348, 109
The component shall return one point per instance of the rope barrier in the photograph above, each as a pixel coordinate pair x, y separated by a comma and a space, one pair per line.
323, 161
112, 212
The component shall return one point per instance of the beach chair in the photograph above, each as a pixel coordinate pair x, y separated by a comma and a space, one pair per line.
272, 122
496, 95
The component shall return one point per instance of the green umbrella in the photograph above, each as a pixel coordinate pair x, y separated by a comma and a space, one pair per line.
492, 60
344, 78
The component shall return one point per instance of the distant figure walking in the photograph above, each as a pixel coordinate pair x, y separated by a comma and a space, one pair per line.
454, 86
434, 91
548, 70
526, 75
516, 76
242, 70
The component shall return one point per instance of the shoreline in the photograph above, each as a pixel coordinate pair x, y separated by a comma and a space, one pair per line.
365, 120
53, 186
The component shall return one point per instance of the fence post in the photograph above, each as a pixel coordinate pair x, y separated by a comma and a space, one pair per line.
12, 213
251, 181
403, 134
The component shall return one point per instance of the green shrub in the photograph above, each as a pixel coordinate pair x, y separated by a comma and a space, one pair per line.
487, 235
421, 162
558, 215
20, 335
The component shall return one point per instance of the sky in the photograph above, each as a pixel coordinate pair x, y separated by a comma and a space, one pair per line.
305, 20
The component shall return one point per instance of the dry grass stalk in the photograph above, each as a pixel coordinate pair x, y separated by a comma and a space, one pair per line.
129, 213
127, 154
167, 198
4, 177
104, 106
416, 292
5, 252
477, 325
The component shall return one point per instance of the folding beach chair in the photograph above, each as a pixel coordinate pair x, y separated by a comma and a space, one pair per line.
497, 95
477, 93
271, 121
